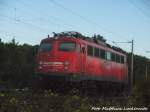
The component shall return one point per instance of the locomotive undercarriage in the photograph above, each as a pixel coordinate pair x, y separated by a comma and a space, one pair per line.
94, 88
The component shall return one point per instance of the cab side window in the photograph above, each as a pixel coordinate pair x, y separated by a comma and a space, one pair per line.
113, 57
122, 59
117, 58
108, 56
90, 50
102, 54
96, 52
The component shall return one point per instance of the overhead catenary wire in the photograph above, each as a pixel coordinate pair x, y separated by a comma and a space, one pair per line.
37, 18
139, 9
22, 22
74, 13
86, 19
46, 19
50, 19
18, 20
146, 3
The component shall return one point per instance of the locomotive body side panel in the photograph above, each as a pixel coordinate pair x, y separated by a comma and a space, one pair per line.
70, 57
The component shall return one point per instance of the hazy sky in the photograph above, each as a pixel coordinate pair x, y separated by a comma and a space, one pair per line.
29, 21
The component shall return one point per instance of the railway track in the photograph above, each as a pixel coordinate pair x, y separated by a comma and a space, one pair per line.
82, 92
83, 89
87, 88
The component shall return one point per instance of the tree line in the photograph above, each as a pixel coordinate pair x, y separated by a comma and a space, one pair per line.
17, 65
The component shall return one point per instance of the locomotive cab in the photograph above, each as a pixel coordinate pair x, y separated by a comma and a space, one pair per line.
59, 57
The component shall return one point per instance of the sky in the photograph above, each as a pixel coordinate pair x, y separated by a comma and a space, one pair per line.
29, 21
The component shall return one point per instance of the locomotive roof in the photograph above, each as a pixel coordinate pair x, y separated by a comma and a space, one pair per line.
76, 36
111, 48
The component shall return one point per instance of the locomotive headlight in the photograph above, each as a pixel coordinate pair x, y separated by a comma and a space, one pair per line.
40, 67
66, 63
66, 67
40, 62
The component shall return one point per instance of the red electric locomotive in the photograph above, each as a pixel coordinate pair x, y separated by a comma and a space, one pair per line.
71, 57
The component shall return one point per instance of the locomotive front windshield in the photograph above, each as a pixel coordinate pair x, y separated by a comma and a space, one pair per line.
67, 46
45, 47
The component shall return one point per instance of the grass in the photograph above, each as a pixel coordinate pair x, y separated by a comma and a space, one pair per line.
47, 101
